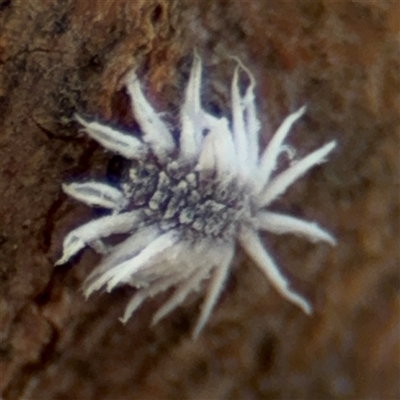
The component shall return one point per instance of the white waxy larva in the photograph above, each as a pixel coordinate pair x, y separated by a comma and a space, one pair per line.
184, 209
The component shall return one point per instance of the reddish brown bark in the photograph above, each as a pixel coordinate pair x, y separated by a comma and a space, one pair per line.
341, 59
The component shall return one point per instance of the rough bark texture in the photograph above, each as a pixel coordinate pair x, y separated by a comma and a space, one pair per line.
339, 58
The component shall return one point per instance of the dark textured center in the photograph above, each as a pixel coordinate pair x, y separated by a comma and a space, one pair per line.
196, 204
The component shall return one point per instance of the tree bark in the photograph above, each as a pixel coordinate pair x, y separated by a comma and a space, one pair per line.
58, 58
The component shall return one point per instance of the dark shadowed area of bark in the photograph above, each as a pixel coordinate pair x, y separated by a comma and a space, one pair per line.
339, 58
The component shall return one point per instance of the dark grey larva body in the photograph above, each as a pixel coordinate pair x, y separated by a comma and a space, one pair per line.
177, 197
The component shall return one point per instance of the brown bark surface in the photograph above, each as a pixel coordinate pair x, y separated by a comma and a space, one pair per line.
339, 58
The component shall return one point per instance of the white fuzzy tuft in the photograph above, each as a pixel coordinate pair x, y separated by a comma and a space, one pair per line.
183, 208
